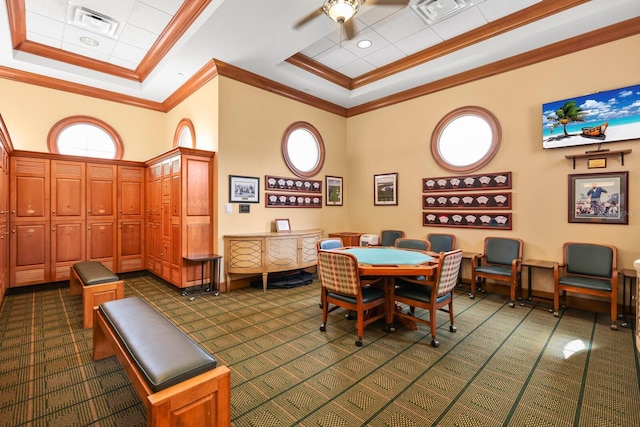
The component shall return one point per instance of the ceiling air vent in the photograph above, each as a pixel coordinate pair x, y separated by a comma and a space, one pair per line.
432, 11
93, 21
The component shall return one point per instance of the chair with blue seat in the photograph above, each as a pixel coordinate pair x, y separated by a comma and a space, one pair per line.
329, 243
428, 295
502, 262
388, 237
588, 269
442, 242
415, 244
341, 286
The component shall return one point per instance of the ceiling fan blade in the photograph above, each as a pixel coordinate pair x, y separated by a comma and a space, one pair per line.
385, 2
308, 18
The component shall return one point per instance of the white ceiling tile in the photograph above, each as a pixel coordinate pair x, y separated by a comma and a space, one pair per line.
318, 47
384, 56
53, 9
44, 40
136, 36
85, 51
460, 23
148, 18
418, 41
336, 57
123, 63
356, 68
370, 15
72, 37
399, 26
128, 52
167, 6
496, 9
377, 42
45, 26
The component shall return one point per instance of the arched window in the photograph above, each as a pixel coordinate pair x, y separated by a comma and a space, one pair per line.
85, 136
185, 135
303, 149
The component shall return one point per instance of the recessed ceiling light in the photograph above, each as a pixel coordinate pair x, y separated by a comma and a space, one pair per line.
89, 41
363, 44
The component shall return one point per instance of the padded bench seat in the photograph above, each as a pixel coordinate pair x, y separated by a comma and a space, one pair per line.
164, 354
97, 284
177, 380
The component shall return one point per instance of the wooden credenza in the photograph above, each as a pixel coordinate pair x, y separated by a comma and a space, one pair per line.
264, 253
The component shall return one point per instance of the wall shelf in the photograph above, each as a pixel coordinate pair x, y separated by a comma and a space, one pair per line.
597, 154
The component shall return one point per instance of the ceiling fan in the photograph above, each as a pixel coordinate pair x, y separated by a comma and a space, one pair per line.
341, 11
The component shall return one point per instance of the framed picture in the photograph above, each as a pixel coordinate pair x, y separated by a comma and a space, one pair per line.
385, 189
292, 200
282, 224
334, 190
280, 183
244, 189
599, 198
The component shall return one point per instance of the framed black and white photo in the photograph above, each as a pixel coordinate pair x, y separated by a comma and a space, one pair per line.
244, 189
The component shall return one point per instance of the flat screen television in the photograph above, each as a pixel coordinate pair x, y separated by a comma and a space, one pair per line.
599, 118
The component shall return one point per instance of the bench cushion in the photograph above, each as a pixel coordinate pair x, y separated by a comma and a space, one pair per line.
164, 354
93, 273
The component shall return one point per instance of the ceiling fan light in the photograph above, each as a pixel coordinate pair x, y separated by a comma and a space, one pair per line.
340, 10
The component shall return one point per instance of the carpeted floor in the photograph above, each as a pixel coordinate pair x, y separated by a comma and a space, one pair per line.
504, 366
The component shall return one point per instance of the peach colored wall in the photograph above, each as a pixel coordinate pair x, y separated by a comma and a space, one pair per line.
30, 111
396, 139
252, 123
202, 109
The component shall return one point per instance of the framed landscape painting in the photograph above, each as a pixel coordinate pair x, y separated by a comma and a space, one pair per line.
385, 189
334, 191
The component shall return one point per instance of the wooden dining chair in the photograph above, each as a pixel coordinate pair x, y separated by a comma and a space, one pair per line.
388, 237
432, 296
442, 242
340, 285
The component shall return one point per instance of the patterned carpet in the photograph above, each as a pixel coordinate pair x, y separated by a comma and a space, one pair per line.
512, 367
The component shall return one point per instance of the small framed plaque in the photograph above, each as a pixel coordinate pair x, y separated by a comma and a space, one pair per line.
597, 163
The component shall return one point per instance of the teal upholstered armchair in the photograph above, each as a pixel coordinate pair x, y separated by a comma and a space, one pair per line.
588, 269
388, 237
442, 242
416, 244
432, 296
502, 262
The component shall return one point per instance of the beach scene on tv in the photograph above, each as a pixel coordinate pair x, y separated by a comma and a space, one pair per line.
598, 118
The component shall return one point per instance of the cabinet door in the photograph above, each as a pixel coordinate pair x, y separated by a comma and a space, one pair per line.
67, 190
101, 191
282, 253
101, 242
67, 247
29, 195
130, 192
30, 251
130, 245
308, 250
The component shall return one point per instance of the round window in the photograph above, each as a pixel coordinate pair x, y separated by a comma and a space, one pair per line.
303, 149
466, 139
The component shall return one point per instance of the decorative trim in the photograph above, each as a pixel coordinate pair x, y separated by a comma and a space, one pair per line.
280, 183
498, 181
500, 200
290, 200
494, 221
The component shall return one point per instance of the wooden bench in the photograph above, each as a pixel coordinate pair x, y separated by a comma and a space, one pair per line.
97, 284
179, 383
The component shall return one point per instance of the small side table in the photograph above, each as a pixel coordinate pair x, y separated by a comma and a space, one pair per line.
349, 238
536, 263
466, 256
629, 275
214, 275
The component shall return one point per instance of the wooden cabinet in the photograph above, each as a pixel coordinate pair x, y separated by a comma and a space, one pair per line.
264, 253
131, 230
4, 219
64, 211
179, 214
